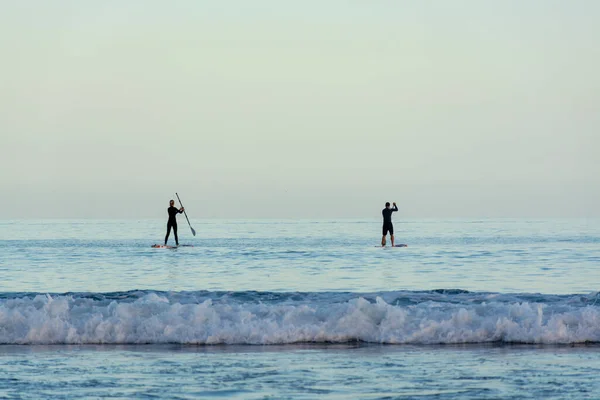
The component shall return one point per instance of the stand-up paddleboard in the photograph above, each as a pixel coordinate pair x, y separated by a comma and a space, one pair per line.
162, 246
396, 245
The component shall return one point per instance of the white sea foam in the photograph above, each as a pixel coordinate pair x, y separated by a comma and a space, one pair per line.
160, 318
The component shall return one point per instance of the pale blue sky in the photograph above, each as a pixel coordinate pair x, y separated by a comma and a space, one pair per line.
300, 109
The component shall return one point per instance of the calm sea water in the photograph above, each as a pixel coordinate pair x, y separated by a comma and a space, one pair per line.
300, 309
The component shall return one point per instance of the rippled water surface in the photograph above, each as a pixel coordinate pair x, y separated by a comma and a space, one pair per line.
547, 256
300, 309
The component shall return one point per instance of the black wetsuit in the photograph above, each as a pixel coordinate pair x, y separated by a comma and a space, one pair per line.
387, 220
172, 224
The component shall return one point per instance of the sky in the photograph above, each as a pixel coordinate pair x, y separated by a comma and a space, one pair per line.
307, 109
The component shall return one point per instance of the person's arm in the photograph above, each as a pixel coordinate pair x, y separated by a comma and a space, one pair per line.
395, 207
180, 210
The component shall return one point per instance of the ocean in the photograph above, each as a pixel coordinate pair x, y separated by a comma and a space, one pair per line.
254, 309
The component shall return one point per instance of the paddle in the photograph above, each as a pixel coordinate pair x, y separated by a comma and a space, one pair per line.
186, 217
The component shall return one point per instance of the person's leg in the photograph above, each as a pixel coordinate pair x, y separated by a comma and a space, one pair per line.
175, 233
384, 232
392, 234
168, 233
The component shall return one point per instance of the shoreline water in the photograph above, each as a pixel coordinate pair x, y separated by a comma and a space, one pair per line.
301, 371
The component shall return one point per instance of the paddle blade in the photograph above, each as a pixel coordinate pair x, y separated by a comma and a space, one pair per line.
193, 231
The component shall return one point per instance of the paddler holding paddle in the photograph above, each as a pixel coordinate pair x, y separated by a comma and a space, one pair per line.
172, 223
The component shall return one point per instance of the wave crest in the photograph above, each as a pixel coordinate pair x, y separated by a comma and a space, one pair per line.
161, 318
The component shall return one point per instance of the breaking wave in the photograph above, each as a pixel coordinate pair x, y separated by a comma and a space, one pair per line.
208, 318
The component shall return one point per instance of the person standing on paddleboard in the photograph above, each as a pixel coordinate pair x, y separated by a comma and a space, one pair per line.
173, 211
387, 223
